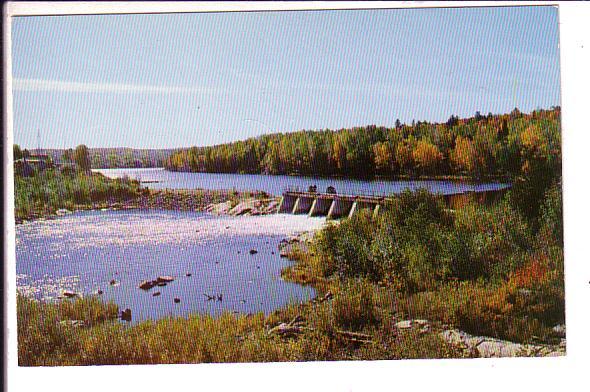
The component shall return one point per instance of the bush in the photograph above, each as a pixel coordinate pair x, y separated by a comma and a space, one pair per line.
354, 306
551, 219
522, 308
489, 241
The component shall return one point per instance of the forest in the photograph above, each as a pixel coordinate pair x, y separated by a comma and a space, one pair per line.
492, 146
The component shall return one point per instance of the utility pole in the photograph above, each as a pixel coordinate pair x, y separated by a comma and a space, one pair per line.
38, 141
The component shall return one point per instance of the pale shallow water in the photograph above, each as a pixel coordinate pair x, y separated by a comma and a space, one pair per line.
84, 251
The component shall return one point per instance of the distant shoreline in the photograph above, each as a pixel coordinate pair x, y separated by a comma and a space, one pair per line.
400, 177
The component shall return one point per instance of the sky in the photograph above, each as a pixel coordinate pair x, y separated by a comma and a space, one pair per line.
196, 79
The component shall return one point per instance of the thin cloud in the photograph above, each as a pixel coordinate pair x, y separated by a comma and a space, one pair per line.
116, 88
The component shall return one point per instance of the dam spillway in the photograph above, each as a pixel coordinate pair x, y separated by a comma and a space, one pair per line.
334, 206
331, 205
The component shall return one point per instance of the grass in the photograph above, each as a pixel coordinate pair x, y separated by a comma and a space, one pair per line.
43, 341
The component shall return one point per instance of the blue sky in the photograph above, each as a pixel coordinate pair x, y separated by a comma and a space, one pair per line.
177, 80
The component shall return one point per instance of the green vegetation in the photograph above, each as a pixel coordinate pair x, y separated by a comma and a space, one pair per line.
51, 189
481, 269
476, 147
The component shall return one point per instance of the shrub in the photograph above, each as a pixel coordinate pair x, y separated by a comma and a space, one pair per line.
489, 241
551, 219
354, 306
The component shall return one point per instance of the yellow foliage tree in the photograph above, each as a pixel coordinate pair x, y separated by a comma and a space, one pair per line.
383, 156
463, 155
427, 156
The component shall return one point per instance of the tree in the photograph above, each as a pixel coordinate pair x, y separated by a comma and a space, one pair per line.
16, 152
403, 157
383, 157
452, 121
68, 156
81, 157
463, 155
398, 124
427, 156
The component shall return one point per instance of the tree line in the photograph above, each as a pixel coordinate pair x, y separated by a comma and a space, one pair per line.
478, 147
104, 158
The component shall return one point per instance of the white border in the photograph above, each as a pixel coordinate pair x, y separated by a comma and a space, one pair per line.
482, 374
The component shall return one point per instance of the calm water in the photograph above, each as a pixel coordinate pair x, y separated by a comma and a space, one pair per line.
84, 251
275, 185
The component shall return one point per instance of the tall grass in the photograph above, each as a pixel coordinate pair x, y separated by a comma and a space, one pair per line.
44, 341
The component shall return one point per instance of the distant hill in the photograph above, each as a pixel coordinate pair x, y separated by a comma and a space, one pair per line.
120, 157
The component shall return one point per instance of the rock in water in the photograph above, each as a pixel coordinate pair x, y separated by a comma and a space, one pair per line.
69, 294
126, 315
253, 251
113, 282
156, 294
176, 300
146, 285
164, 279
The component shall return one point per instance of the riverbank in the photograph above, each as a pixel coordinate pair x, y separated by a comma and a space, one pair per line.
404, 309
199, 200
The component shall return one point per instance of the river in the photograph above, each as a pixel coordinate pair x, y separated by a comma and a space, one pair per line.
84, 251
158, 178
207, 255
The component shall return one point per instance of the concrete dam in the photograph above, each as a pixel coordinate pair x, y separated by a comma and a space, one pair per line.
331, 205
334, 206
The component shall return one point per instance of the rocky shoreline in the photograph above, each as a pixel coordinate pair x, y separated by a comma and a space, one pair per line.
215, 202
485, 346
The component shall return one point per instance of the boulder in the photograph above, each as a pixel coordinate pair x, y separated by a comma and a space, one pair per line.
126, 315
176, 300
113, 282
253, 251
272, 207
246, 207
220, 208
559, 330
406, 324
164, 279
73, 323
156, 294
69, 294
146, 284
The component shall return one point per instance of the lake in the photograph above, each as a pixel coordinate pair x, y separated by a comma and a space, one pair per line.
84, 251
158, 178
